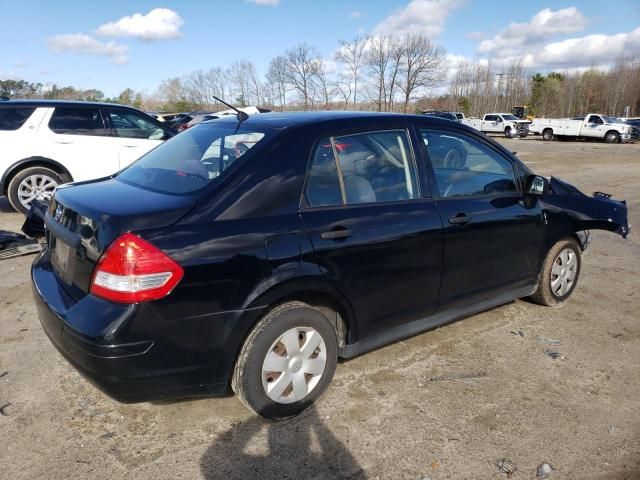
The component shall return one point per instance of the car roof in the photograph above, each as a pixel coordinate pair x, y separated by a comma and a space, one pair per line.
282, 120
59, 103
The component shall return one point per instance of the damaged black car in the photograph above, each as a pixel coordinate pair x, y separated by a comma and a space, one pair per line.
252, 253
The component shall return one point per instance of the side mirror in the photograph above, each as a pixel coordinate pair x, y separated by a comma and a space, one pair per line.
537, 185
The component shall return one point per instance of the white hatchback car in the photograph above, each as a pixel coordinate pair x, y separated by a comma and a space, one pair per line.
44, 143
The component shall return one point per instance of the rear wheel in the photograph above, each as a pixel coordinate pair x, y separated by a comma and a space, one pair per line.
547, 134
612, 137
34, 183
286, 362
560, 273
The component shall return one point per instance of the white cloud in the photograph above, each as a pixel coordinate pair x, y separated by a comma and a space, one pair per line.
596, 50
265, 3
83, 44
158, 24
425, 17
528, 35
355, 14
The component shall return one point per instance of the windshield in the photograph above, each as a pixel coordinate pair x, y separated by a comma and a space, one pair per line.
510, 117
612, 119
194, 159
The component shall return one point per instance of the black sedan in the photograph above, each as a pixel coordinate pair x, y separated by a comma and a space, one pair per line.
253, 254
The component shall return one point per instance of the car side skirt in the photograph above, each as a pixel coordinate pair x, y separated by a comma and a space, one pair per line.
433, 321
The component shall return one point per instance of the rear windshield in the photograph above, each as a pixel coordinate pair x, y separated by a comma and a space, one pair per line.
12, 118
194, 159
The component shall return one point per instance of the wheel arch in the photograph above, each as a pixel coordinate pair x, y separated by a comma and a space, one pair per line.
319, 294
35, 161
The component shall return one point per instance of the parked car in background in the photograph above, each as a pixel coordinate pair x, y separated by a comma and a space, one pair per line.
441, 114
591, 126
504, 123
44, 143
253, 254
196, 119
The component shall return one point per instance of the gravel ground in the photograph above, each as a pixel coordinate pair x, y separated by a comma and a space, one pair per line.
450, 403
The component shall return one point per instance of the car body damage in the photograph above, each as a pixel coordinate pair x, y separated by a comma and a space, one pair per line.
582, 212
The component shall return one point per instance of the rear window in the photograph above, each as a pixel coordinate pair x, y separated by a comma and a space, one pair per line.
194, 159
77, 121
12, 118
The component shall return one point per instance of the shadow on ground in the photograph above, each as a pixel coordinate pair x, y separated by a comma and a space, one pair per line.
302, 447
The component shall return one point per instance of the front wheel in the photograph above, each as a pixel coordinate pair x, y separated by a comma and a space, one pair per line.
286, 362
560, 272
612, 137
507, 132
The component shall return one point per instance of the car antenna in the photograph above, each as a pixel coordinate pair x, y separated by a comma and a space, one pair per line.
242, 116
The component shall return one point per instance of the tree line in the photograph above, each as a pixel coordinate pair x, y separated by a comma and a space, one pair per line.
382, 73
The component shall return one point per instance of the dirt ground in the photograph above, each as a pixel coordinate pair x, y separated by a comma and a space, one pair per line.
450, 403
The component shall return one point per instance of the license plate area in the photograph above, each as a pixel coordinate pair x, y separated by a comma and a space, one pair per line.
62, 260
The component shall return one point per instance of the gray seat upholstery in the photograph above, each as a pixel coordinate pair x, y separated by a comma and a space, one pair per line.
359, 189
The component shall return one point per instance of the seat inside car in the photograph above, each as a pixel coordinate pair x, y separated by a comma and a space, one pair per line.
359, 189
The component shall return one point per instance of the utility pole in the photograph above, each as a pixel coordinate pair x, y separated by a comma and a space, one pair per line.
499, 75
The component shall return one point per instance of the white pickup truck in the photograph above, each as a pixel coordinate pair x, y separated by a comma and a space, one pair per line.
505, 123
593, 125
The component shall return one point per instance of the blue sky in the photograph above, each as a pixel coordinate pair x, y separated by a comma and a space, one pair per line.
73, 42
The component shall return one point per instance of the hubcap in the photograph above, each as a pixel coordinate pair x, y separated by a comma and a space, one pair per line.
36, 187
294, 365
563, 272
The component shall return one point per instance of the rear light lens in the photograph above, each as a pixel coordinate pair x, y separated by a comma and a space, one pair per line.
132, 270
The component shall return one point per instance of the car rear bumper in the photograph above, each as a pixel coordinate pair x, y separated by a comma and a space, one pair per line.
106, 343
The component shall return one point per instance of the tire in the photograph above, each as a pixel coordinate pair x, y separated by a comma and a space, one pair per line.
507, 132
612, 137
19, 186
562, 259
547, 134
251, 377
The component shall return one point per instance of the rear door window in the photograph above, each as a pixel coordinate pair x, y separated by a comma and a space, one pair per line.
77, 121
362, 168
12, 118
194, 159
130, 124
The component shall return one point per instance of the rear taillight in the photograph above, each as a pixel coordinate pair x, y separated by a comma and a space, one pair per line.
132, 270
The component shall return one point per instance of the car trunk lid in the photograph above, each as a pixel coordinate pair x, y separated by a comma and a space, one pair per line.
83, 220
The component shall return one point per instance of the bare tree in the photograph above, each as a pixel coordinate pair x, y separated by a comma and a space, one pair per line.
342, 89
321, 83
396, 53
302, 69
276, 76
351, 53
244, 79
421, 65
376, 63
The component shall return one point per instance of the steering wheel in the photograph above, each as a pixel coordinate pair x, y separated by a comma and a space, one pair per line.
193, 169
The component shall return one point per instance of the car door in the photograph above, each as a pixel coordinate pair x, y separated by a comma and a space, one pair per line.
493, 235
490, 123
134, 133
76, 136
376, 235
594, 127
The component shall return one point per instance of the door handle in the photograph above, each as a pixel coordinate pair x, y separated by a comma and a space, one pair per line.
64, 142
460, 219
129, 146
336, 234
